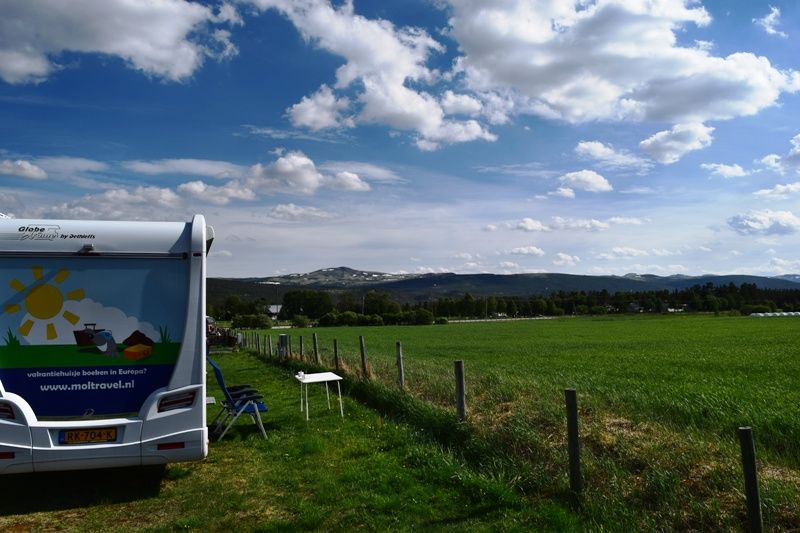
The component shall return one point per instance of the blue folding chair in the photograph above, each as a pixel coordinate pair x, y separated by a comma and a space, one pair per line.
239, 399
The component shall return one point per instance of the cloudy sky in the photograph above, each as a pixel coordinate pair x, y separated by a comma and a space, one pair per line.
586, 137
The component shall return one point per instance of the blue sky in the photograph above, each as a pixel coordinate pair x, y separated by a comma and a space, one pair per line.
594, 137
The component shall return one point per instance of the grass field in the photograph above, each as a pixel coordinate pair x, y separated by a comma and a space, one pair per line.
661, 399
363, 472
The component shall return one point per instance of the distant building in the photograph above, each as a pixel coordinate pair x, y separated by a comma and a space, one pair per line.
274, 310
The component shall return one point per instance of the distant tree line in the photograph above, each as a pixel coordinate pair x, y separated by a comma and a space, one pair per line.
745, 299
378, 308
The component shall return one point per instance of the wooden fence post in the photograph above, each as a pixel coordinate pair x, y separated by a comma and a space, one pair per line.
283, 346
754, 519
316, 347
461, 390
289, 349
363, 356
302, 347
336, 354
401, 375
269, 345
573, 441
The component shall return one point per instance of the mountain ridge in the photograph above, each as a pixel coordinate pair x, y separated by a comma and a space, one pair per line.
411, 287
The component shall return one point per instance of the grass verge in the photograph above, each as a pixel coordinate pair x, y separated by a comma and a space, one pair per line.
362, 472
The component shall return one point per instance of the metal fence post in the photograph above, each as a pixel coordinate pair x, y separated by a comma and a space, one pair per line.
461, 390
754, 518
363, 356
401, 376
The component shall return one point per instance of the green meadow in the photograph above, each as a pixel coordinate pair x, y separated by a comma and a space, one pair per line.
660, 398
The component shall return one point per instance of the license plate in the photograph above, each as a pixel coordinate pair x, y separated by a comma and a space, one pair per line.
87, 436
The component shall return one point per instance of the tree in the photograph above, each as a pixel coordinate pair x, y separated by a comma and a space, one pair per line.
347, 302
251, 321
423, 317
300, 321
307, 302
379, 303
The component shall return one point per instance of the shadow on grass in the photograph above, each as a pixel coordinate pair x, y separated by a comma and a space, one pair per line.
240, 431
55, 491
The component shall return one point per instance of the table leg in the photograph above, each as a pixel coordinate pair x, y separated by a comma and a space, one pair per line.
328, 396
306, 402
341, 409
301, 396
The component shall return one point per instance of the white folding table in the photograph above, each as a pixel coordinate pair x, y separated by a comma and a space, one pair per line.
320, 377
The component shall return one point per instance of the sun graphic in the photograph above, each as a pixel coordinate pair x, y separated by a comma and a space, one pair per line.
44, 301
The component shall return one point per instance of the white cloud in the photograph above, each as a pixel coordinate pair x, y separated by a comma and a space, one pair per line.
774, 163
668, 147
10, 204
779, 191
366, 171
663, 252
217, 195
530, 224
509, 265
70, 165
609, 158
587, 180
321, 110
347, 181
297, 212
579, 224
639, 267
220, 253
294, 172
610, 60
724, 171
163, 39
460, 104
140, 203
77, 171
194, 167
527, 250
382, 61
224, 47
527, 170
765, 222
562, 192
770, 21
785, 266
623, 252
563, 259
780, 164
430, 270
22, 169
275, 133
568, 223
625, 221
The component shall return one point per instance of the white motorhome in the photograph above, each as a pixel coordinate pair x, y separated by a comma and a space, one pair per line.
102, 343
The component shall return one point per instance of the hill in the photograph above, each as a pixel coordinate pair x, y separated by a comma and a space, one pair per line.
410, 287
